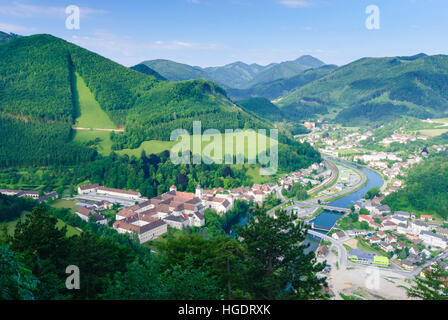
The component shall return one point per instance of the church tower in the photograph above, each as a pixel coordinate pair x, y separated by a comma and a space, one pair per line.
199, 191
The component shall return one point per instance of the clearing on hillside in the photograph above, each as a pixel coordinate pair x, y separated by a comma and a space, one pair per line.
89, 112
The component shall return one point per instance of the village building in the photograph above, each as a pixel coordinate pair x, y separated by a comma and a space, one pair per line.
86, 214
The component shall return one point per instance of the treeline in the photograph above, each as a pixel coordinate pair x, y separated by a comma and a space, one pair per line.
39, 143
12, 208
192, 266
426, 189
151, 175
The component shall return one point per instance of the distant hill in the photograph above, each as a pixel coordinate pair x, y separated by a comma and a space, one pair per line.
261, 107
376, 89
235, 75
147, 70
7, 37
174, 71
284, 70
277, 88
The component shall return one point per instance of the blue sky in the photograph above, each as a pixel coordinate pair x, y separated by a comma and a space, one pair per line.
217, 32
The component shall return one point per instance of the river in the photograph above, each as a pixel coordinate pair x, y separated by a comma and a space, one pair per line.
328, 219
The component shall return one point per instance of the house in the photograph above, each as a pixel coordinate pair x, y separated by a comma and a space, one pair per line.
363, 217
442, 231
386, 246
425, 217
356, 232
402, 214
401, 245
128, 194
414, 250
177, 222
86, 214
390, 239
426, 253
322, 251
381, 234
374, 240
417, 227
383, 209
433, 239
147, 229
398, 219
88, 189
402, 228
338, 235
388, 226
360, 256
407, 265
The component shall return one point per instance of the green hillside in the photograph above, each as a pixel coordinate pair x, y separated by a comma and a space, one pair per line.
147, 70
7, 37
426, 189
175, 71
377, 89
90, 113
39, 102
262, 107
277, 88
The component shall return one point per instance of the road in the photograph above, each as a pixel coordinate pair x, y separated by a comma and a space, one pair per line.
334, 176
98, 129
342, 252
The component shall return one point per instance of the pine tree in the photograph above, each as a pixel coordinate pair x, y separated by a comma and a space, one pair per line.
433, 286
278, 267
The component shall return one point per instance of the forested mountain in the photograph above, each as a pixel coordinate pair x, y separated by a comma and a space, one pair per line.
175, 71
37, 92
235, 75
38, 105
284, 70
281, 87
7, 37
262, 107
147, 70
377, 89
426, 189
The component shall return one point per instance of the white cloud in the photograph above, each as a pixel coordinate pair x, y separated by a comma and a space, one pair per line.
127, 51
296, 3
22, 30
22, 10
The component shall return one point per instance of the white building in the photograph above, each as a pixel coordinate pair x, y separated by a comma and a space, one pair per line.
433, 240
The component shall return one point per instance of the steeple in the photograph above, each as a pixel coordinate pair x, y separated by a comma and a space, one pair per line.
199, 191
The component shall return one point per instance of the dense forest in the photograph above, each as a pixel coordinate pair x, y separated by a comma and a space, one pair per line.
37, 106
196, 265
426, 189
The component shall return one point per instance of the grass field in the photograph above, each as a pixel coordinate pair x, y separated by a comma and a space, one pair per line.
104, 146
11, 225
433, 132
68, 204
90, 114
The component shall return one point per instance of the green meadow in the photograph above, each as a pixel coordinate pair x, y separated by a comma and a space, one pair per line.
105, 144
89, 112
11, 226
